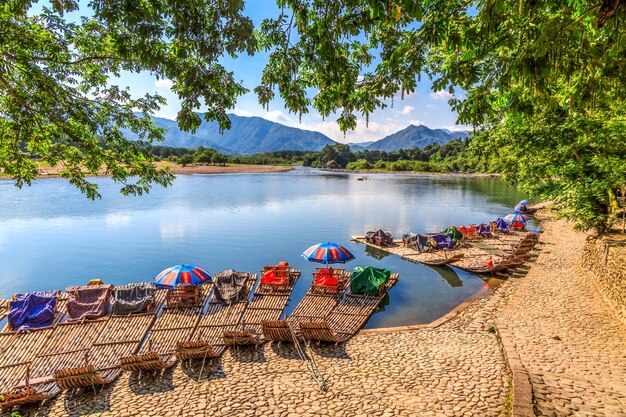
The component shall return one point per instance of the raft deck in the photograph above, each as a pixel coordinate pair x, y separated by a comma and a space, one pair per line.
472, 256
207, 340
314, 307
267, 304
347, 318
175, 324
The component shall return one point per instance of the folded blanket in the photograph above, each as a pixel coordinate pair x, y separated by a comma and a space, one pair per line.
89, 302
230, 286
32, 310
133, 298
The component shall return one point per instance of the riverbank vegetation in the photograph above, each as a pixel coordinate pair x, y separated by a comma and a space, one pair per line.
453, 156
541, 83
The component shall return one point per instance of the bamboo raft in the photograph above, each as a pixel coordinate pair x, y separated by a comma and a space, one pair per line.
508, 250
207, 340
512, 255
442, 257
347, 318
314, 307
175, 324
41, 353
267, 304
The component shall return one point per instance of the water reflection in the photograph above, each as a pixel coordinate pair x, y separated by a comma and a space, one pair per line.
448, 274
375, 252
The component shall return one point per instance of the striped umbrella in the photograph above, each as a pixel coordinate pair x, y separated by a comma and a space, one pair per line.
517, 218
328, 253
181, 275
521, 206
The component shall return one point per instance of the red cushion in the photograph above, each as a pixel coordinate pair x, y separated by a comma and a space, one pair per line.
272, 277
325, 278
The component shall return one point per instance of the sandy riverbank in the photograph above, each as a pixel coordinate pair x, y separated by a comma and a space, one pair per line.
47, 171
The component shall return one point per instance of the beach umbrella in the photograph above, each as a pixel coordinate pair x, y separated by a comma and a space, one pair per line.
518, 206
517, 218
176, 275
328, 253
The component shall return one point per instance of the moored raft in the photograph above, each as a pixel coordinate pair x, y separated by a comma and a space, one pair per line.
175, 324
315, 305
507, 250
207, 339
267, 304
347, 318
442, 257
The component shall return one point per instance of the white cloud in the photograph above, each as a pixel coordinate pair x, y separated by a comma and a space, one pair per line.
163, 84
441, 95
457, 128
242, 112
277, 116
407, 110
429, 106
416, 122
362, 133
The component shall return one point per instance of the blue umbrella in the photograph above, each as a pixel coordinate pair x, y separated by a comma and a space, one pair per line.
517, 218
521, 206
181, 275
328, 253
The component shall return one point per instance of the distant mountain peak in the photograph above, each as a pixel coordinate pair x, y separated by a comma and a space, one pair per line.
414, 136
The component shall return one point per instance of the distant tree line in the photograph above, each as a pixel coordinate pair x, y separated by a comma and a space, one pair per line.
454, 156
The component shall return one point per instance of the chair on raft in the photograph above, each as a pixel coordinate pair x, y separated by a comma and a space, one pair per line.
177, 322
351, 314
267, 303
183, 296
81, 377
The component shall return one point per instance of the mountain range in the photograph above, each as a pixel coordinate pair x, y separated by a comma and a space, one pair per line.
249, 135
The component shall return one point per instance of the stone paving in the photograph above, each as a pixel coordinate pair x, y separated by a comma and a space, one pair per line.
570, 342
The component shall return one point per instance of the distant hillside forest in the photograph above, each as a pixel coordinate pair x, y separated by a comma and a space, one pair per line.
453, 156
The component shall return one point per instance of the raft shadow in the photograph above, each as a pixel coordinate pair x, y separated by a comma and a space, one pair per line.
211, 370
329, 350
146, 383
96, 399
249, 354
284, 350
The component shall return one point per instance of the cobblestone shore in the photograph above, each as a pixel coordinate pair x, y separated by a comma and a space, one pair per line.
572, 347
571, 343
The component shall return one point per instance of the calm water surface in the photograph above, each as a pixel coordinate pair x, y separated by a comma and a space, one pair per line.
51, 236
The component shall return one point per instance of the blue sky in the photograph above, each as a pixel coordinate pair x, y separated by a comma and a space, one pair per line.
421, 107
